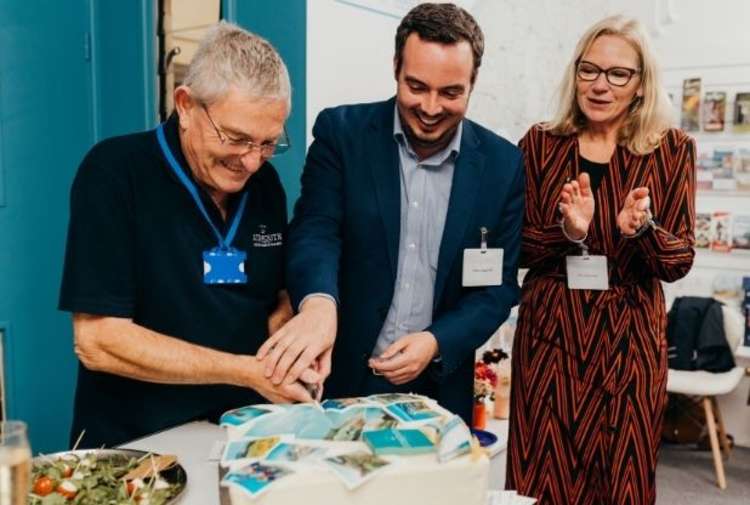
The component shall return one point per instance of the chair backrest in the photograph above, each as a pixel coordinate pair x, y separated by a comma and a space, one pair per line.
734, 326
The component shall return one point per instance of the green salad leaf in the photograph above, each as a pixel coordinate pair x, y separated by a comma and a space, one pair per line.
95, 480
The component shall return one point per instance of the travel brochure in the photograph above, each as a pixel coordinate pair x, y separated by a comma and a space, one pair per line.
722, 231
723, 169
268, 443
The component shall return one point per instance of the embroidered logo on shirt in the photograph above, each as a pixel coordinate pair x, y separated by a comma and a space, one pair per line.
265, 239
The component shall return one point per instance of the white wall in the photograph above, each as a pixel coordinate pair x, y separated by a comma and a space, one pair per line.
349, 56
350, 48
528, 43
350, 53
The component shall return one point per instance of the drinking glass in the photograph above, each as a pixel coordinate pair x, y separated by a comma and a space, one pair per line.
15, 463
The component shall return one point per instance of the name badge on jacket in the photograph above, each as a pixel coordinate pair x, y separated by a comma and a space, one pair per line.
483, 267
587, 272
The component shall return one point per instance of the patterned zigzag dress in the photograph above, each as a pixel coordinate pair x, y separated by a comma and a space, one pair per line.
590, 367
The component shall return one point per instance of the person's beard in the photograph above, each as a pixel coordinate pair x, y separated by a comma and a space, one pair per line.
427, 144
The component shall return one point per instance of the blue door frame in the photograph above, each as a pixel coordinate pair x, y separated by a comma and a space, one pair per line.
284, 24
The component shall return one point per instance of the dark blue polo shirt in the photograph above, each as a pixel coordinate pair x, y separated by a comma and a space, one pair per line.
134, 250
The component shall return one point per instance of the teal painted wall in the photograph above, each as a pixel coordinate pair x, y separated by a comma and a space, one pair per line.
284, 24
45, 120
125, 66
71, 73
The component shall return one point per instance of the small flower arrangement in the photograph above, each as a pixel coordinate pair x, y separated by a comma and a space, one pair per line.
492, 356
485, 374
485, 380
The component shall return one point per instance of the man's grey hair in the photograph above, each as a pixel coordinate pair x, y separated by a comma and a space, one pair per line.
231, 57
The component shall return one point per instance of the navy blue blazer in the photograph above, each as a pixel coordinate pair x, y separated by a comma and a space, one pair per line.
343, 241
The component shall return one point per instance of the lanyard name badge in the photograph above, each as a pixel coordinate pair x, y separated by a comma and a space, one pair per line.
483, 266
222, 264
587, 271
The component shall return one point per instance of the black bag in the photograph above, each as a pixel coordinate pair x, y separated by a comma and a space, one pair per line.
695, 336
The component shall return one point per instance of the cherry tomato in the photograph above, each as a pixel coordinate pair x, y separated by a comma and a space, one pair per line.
67, 470
43, 486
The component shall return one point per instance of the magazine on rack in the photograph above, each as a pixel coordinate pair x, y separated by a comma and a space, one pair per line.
741, 232
691, 103
742, 113
703, 230
722, 170
720, 231
742, 169
714, 110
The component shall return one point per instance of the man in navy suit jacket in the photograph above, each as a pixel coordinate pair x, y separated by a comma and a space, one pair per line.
395, 195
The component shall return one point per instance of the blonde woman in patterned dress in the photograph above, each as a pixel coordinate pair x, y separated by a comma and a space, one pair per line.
610, 176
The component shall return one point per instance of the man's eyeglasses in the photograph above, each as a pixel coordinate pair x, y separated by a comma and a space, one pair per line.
266, 149
616, 76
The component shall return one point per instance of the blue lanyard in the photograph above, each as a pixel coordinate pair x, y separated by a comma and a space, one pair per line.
224, 242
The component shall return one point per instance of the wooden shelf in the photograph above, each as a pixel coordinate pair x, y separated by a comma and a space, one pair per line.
721, 137
737, 193
734, 260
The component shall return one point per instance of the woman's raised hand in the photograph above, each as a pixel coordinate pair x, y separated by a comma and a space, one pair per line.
577, 206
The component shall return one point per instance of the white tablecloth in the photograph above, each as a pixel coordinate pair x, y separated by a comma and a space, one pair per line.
193, 444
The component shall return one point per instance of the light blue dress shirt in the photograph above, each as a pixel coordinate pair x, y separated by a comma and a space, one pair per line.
425, 191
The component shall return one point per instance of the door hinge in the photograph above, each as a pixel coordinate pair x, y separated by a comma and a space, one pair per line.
87, 46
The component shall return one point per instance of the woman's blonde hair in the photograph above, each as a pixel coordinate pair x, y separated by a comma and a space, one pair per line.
648, 117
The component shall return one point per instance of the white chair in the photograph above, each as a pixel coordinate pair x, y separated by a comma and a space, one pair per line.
710, 385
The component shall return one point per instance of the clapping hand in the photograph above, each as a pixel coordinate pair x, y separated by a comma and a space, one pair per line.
635, 212
577, 206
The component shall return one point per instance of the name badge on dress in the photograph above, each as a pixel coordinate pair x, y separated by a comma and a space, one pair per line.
587, 272
484, 266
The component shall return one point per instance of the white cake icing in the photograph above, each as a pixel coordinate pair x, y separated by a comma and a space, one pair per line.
407, 480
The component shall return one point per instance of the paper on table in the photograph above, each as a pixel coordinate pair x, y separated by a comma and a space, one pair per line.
255, 478
509, 497
355, 468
